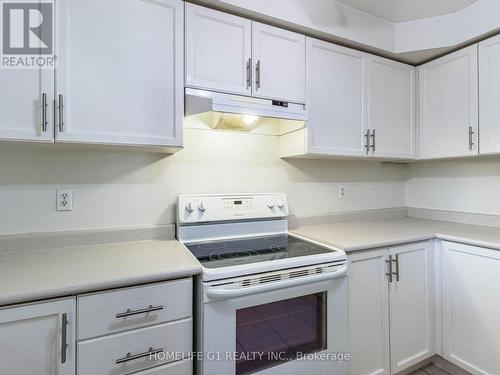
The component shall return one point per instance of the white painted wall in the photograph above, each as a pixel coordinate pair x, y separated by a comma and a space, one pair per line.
412, 41
113, 189
467, 185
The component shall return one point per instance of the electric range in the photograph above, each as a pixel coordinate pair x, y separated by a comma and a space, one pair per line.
267, 302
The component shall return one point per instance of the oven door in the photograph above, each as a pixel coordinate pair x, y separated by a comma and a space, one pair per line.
288, 328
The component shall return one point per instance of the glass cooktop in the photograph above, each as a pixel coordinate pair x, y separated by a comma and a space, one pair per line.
234, 252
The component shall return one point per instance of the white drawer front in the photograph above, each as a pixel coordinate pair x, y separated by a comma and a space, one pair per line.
99, 356
148, 305
176, 368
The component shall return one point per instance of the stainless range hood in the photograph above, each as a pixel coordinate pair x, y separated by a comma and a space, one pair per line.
221, 111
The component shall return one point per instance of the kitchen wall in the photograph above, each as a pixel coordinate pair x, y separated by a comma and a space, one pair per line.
467, 185
124, 188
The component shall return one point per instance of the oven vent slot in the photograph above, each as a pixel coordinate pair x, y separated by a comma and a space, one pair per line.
246, 282
269, 279
319, 270
295, 274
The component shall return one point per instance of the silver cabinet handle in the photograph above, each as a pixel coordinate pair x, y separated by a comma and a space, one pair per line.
64, 337
61, 113
367, 141
471, 138
131, 357
390, 273
249, 73
140, 311
396, 261
257, 74
373, 140
44, 112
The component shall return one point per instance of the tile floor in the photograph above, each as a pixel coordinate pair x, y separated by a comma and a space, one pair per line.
430, 370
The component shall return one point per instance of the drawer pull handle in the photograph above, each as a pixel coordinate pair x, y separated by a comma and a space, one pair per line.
129, 312
131, 357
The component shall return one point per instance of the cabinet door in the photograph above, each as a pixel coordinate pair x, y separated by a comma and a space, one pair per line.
391, 108
279, 59
411, 305
489, 96
218, 50
31, 339
336, 91
22, 93
368, 313
449, 105
121, 82
471, 307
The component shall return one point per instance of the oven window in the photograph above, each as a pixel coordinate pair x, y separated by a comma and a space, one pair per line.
267, 335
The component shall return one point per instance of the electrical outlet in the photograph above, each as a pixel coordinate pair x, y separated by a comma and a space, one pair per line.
342, 192
64, 200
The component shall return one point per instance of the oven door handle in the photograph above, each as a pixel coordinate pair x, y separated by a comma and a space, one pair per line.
223, 292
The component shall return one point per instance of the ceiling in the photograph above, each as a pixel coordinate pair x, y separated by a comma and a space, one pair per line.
407, 10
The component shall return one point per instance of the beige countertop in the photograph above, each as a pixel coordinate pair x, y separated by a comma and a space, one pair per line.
361, 235
34, 275
42, 274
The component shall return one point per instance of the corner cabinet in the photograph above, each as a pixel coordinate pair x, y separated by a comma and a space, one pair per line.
448, 121
120, 82
359, 105
232, 54
471, 307
489, 96
38, 338
391, 308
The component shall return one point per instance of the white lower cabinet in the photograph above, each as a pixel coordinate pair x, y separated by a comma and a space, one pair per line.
135, 350
412, 300
471, 308
368, 313
145, 328
38, 338
178, 368
391, 306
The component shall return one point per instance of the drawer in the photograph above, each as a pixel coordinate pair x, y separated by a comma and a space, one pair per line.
106, 313
99, 356
176, 368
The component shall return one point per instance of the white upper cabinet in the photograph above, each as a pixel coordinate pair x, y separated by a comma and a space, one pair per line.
391, 108
218, 50
38, 339
23, 115
231, 54
120, 76
279, 63
449, 105
489, 96
358, 105
411, 305
336, 87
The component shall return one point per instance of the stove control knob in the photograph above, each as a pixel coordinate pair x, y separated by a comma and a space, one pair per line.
202, 207
270, 204
189, 207
280, 204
